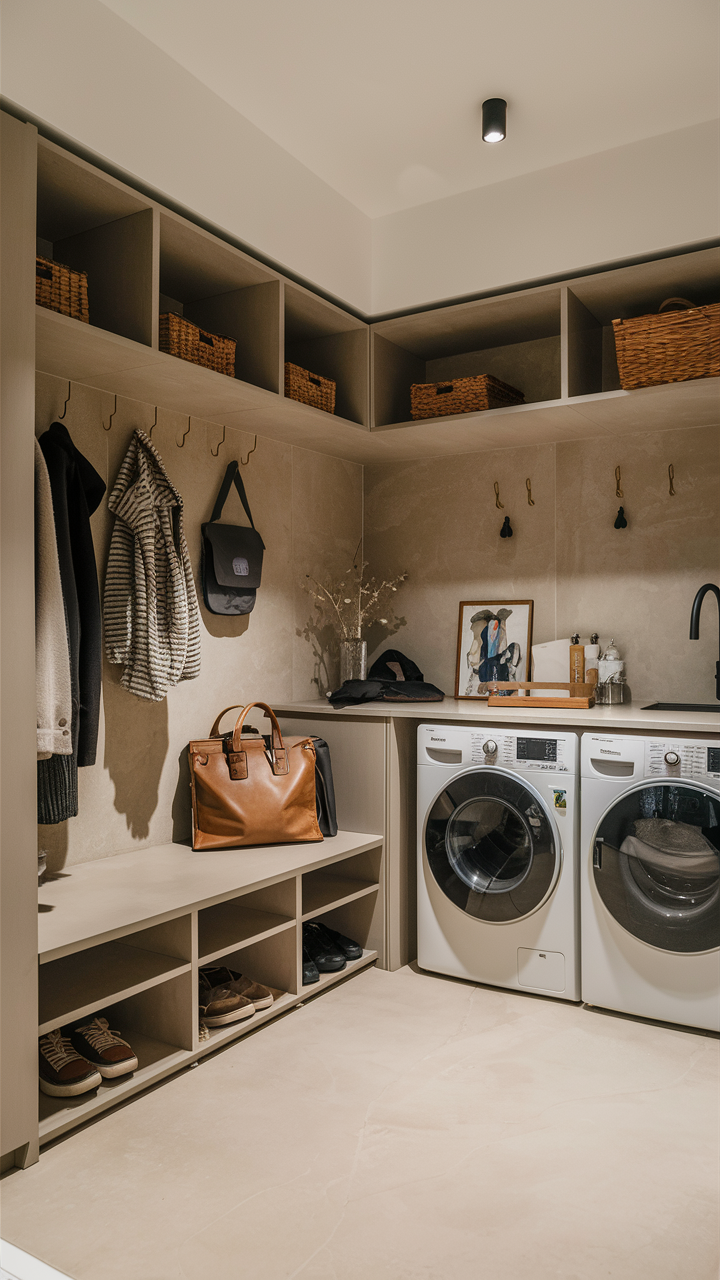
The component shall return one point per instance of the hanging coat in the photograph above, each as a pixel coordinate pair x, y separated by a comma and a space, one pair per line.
77, 491
150, 611
53, 685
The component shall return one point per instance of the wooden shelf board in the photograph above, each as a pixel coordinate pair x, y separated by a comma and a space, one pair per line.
155, 1059
80, 983
325, 892
329, 979
233, 926
94, 902
221, 1035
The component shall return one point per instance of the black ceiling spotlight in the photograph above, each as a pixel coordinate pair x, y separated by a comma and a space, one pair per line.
494, 120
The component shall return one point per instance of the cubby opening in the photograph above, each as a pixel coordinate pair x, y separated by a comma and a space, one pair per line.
272, 961
221, 290
158, 1025
329, 342
515, 339
340, 882
74, 985
240, 921
594, 302
90, 223
360, 920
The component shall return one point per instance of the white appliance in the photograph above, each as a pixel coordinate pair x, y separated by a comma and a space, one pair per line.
650, 918
497, 876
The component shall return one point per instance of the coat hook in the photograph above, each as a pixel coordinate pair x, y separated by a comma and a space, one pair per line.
618, 490
244, 462
498, 503
185, 435
112, 415
671, 477
62, 415
531, 500
153, 425
215, 452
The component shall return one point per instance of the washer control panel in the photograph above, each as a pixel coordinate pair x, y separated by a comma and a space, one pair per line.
519, 751
684, 758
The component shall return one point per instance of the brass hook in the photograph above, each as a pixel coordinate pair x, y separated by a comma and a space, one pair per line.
185, 435
153, 425
498, 503
62, 415
245, 462
215, 452
671, 477
112, 415
618, 490
531, 500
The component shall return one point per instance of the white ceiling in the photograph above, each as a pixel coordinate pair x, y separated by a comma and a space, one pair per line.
381, 98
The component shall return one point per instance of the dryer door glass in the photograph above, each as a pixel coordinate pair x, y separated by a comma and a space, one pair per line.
490, 846
655, 864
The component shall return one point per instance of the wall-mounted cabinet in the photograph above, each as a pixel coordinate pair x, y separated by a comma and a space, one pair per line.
554, 343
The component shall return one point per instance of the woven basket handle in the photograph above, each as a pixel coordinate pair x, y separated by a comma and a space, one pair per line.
683, 302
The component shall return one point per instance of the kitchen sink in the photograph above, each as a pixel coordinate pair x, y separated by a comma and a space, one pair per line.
683, 706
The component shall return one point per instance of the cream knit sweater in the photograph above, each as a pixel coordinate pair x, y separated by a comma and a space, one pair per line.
52, 657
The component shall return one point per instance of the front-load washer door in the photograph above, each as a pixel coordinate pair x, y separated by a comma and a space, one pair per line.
491, 847
655, 865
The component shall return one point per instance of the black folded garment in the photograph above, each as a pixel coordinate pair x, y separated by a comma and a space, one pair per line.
393, 665
353, 692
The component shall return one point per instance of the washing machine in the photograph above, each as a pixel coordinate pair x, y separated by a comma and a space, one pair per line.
650, 890
498, 898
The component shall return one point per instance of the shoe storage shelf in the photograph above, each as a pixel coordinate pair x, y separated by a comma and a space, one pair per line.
553, 342
126, 935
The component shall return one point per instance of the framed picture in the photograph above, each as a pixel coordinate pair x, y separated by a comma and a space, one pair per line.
494, 639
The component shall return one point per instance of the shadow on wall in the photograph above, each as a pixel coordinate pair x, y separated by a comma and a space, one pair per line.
136, 744
181, 805
323, 640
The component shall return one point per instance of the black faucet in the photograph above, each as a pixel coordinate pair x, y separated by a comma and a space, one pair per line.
695, 623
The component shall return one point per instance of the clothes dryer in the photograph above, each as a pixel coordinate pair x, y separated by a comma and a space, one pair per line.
497, 849
650, 888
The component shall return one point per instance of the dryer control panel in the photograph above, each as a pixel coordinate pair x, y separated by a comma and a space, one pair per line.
611, 756
684, 758
520, 751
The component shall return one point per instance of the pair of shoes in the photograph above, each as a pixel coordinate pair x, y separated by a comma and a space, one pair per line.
227, 996
78, 1062
325, 951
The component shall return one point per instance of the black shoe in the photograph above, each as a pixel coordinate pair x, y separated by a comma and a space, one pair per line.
310, 970
326, 955
351, 950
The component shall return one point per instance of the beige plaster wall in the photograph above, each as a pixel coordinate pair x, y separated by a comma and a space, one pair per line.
437, 518
308, 508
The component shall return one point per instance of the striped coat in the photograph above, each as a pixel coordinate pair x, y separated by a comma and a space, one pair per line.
151, 621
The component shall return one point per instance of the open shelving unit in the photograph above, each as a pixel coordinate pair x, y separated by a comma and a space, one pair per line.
552, 342
126, 936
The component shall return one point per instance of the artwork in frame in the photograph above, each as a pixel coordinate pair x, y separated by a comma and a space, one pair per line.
494, 640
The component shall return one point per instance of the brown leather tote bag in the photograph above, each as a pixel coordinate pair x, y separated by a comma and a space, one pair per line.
244, 792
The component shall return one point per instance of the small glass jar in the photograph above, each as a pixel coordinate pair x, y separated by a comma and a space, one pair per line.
353, 660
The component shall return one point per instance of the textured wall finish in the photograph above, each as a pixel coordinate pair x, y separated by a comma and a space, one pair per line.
438, 519
308, 508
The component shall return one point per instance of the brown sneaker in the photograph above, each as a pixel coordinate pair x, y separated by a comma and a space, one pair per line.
104, 1048
63, 1072
219, 1006
260, 996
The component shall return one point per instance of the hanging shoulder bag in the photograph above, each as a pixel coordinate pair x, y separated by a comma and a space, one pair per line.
246, 792
232, 555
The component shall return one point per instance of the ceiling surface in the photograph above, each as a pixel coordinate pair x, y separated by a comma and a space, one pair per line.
381, 98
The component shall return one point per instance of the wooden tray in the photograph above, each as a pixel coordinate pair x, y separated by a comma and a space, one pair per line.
581, 696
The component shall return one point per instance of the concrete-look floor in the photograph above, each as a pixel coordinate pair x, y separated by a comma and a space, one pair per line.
401, 1127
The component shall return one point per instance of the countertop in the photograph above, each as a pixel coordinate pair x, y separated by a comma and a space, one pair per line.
627, 717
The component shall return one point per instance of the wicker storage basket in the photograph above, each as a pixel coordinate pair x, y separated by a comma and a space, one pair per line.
461, 395
309, 388
180, 337
672, 346
59, 288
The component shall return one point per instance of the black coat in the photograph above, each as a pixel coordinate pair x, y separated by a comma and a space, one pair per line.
77, 491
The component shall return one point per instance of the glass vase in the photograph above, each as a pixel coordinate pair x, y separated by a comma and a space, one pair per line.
353, 660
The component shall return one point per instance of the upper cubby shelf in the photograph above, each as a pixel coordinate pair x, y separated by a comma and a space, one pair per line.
554, 343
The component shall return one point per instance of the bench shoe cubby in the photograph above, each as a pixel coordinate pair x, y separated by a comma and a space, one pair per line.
125, 937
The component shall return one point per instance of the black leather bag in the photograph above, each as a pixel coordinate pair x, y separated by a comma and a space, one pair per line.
232, 555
